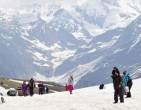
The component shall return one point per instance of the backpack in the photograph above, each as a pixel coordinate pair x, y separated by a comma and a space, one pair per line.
101, 86
129, 78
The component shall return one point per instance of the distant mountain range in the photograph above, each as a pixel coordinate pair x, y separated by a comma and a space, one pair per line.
86, 38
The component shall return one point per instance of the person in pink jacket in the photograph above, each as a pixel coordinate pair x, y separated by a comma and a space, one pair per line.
70, 84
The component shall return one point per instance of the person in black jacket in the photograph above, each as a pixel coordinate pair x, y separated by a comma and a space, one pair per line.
47, 89
31, 86
41, 87
117, 83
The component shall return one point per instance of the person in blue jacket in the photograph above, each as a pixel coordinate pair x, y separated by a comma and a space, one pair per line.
126, 81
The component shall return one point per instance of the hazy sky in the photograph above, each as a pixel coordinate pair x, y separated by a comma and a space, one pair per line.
18, 3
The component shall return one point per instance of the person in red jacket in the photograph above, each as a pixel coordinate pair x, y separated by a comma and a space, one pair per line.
66, 87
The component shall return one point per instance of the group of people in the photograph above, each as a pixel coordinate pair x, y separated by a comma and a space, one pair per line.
122, 85
43, 88
31, 85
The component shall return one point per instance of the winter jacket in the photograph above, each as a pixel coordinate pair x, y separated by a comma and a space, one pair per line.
117, 80
66, 88
24, 87
40, 86
70, 80
31, 83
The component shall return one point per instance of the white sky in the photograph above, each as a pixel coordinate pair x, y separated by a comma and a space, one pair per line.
18, 3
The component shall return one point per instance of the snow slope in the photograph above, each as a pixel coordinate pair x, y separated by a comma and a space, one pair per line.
82, 99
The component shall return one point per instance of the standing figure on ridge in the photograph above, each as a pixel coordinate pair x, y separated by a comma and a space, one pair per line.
70, 84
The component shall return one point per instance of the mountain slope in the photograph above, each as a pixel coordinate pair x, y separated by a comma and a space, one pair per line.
62, 37
93, 63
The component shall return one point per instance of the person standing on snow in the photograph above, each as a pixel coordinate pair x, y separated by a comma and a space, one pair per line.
47, 89
70, 84
40, 86
24, 88
66, 87
117, 82
127, 81
31, 86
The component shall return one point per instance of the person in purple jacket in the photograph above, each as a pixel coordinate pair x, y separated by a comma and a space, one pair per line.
24, 88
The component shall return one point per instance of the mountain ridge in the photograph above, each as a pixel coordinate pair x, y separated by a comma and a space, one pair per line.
60, 38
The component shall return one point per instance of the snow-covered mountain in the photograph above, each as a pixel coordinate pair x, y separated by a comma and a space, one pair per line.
85, 38
93, 63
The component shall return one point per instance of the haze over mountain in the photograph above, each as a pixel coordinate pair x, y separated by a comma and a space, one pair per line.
56, 38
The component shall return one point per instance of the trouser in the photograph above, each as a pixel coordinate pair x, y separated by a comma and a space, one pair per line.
24, 92
47, 90
31, 91
70, 88
129, 84
40, 91
118, 92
